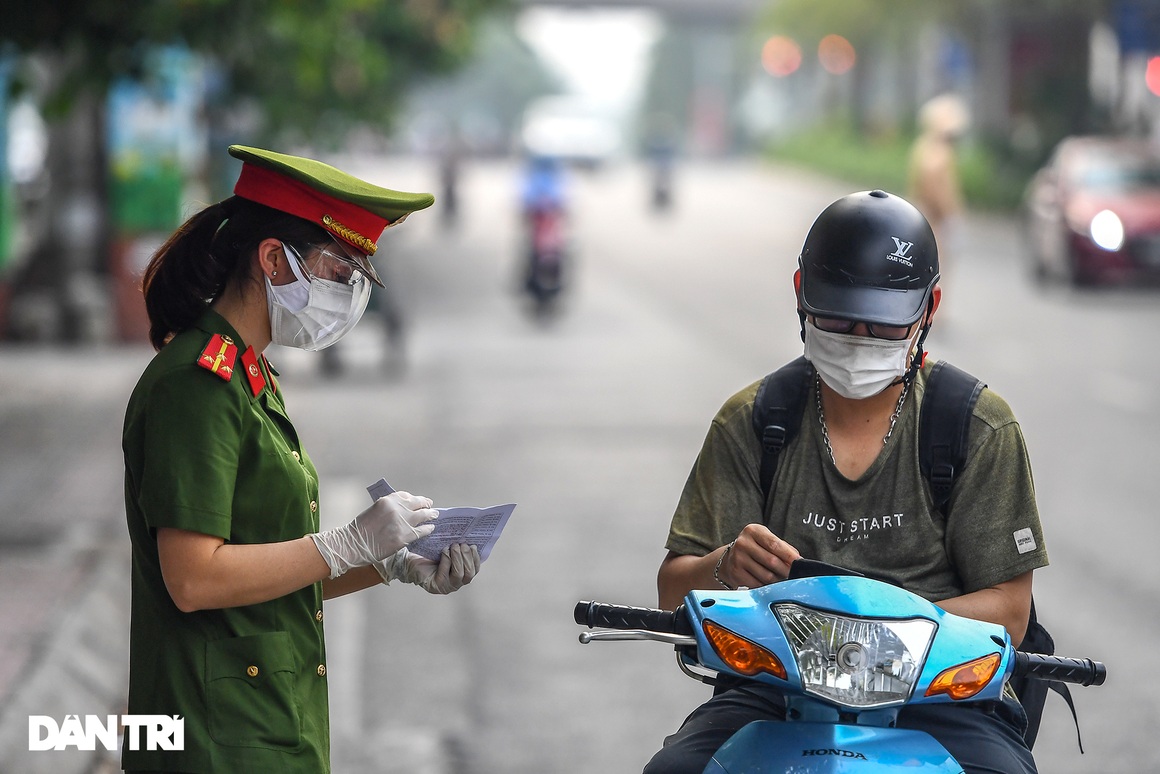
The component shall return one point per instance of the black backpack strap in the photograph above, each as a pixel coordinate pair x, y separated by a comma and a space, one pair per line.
944, 423
1033, 693
777, 414
1062, 689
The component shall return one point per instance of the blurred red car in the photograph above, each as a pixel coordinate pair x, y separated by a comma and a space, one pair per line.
1093, 212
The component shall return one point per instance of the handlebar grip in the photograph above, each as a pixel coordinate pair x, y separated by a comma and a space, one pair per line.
1082, 671
597, 614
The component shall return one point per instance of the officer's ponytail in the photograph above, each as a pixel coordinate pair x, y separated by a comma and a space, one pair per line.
208, 252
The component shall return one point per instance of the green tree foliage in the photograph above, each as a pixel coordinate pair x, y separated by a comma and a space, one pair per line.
853, 19
310, 64
860, 19
1038, 48
1035, 52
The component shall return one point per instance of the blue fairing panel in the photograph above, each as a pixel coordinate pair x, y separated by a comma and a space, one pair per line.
769, 746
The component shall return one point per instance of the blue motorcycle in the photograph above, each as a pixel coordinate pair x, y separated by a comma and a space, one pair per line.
848, 653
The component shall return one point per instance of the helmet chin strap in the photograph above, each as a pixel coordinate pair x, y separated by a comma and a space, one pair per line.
919, 359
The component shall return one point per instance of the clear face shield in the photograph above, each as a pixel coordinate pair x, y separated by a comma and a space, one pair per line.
336, 262
328, 297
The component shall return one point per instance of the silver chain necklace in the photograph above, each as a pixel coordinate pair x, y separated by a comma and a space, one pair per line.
826, 430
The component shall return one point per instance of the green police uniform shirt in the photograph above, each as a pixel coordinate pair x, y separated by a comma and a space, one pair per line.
211, 456
884, 523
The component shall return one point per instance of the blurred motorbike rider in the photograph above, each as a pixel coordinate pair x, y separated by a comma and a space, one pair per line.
542, 186
229, 564
544, 210
848, 488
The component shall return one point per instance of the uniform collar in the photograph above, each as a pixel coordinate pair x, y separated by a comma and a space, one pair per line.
258, 383
212, 322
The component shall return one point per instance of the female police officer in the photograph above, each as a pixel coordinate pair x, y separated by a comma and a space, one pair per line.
229, 566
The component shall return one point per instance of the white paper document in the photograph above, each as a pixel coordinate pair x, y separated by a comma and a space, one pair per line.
480, 527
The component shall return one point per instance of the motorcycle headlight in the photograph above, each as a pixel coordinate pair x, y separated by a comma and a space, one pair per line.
854, 661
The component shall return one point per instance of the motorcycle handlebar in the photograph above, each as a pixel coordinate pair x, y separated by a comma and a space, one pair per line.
597, 614
1082, 671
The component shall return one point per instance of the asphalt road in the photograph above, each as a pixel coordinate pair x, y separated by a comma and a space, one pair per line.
590, 421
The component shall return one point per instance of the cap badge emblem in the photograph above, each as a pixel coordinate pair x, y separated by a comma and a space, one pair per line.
350, 235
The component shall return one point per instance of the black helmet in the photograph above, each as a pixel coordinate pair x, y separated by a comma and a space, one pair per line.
871, 257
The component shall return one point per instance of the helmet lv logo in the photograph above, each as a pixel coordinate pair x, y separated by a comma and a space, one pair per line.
901, 248
900, 252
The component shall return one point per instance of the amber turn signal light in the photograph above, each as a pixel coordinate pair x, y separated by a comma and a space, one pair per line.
965, 680
741, 655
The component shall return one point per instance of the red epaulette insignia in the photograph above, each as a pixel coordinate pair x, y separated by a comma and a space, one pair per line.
219, 356
253, 373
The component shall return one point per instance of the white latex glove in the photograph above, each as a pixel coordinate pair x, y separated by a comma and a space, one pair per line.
377, 533
456, 568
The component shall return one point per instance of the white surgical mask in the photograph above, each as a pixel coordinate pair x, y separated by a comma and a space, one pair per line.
856, 366
312, 313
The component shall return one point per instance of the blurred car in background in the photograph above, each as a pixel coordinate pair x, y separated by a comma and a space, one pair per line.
1092, 213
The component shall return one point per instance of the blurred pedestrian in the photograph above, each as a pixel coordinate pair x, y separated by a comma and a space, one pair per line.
660, 148
933, 173
450, 154
229, 566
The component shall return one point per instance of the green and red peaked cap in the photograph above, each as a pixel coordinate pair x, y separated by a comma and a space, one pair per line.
353, 210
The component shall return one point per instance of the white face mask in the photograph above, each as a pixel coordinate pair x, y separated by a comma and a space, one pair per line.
311, 313
856, 367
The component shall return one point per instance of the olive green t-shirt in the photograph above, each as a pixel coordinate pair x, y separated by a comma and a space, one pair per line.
883, 524
221, 458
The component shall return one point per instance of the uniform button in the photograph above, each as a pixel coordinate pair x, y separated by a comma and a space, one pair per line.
313, 506
322, 670
318, 616
252, 670
296, 456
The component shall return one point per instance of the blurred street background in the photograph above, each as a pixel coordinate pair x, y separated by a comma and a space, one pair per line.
694, 143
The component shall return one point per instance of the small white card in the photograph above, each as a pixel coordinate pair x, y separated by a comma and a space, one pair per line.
380, 489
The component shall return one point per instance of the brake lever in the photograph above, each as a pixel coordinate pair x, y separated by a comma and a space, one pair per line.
613, 635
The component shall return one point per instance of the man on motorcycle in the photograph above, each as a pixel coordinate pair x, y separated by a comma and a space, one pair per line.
848, 488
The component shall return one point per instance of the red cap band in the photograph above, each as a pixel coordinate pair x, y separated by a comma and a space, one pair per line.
347, 221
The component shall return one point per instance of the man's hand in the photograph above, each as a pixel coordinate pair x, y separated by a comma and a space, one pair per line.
391, 523
758, 557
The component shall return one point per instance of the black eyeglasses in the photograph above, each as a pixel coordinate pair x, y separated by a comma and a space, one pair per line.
888, 332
